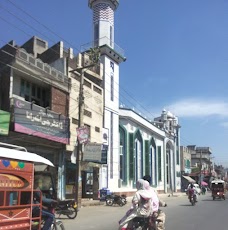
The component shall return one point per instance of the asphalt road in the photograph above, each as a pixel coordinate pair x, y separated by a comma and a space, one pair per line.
180, 215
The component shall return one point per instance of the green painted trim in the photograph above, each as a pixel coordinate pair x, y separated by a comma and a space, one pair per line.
159, 164
177, 157
131, 156
147, 160
126, 150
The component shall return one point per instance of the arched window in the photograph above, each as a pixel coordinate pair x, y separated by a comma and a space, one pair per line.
122, 154
153, 162
138, 155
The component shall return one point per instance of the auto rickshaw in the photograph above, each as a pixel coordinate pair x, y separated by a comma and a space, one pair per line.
218, 189
16, 188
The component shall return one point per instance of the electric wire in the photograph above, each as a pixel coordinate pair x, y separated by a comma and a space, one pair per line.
46, 36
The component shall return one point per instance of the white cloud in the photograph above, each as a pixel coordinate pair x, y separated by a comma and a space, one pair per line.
199, 108
224, 124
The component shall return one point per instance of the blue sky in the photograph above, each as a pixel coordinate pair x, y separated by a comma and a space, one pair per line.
177, 56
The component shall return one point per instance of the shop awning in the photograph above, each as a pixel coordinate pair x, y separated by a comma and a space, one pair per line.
189, 179
23, 156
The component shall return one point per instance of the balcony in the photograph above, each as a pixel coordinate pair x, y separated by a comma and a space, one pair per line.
106, 42
37, 68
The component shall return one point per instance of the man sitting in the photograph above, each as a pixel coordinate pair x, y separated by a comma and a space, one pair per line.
46, 215
191, 191
157, 203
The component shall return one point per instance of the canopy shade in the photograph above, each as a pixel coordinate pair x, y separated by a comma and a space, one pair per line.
204, 183
23, 156
189, 179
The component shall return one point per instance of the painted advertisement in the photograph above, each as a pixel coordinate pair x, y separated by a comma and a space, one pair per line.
4, 122
37, 121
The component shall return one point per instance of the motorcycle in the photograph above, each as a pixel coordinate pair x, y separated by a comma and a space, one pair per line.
67, 207
145, 223
115, 199
56, 224
192, 199
124, 198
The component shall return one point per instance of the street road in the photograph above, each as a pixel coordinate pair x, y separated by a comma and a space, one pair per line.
206, 215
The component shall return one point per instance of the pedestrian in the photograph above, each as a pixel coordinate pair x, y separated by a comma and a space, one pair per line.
204, 190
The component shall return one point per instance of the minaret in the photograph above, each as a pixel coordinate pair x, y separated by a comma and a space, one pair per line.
111, 57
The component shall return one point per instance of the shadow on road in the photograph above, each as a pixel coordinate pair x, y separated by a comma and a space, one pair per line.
185, 205
213, 200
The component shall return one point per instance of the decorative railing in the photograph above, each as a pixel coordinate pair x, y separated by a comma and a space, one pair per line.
101, 42
36, 62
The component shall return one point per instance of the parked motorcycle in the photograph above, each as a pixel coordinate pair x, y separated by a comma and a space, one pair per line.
67, 207
115, 199
124, 198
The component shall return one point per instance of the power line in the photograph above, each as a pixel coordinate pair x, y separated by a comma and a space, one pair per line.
73, 47
63, 40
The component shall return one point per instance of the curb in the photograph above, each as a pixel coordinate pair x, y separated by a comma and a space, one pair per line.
87, 203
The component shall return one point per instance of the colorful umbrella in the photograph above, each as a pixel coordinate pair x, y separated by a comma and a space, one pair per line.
204, 183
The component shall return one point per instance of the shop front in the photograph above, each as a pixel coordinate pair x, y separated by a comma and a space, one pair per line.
40, 131
94, 156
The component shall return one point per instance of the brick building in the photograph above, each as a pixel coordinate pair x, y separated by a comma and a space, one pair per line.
37, 96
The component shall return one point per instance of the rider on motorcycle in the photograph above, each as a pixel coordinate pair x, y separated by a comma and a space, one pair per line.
191, 191
141, 205
157, 203
46, 202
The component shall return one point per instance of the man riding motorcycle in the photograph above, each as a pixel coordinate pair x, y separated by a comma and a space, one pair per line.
49, 217
191, 191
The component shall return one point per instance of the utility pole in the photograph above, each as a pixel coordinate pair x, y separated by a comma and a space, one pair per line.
94, 57
200, 168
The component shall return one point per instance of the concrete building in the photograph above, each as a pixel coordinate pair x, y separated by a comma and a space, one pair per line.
111, 56
169, 123
146, 149
65, 61
185, 156
201, 163
37, 96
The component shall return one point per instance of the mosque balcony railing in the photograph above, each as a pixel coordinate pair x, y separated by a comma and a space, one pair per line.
103, 41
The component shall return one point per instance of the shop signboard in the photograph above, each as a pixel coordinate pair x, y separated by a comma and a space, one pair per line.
37, 121
92, 152
104, 154
4, 122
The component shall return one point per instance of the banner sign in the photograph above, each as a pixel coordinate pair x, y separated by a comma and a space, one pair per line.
4, 122
83, 134
37, 121
92, 152
104, 154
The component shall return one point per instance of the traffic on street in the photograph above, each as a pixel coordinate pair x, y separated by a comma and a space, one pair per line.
180, 214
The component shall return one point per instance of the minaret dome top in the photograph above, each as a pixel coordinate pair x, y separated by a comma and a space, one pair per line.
115, 3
